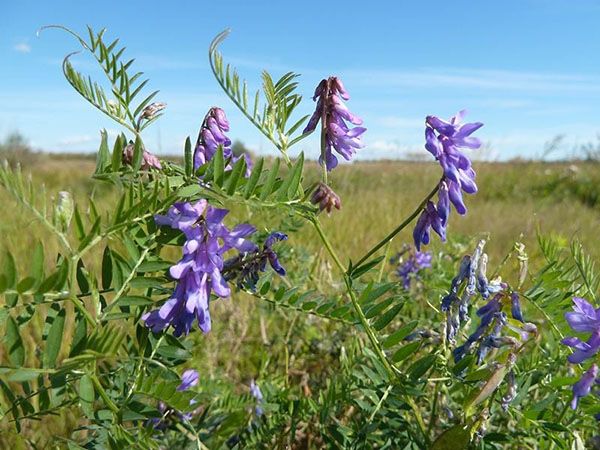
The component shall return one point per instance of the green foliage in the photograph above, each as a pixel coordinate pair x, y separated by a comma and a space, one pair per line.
346, 357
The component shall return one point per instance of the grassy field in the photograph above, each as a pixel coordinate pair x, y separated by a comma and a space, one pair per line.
514, 201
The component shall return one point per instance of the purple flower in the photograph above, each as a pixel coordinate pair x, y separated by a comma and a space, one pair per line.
334, 114
584, 385
211, 136
429, 218
444, 141
198, 273
410, 267
257, 394
583, 319
516, 307
189, 379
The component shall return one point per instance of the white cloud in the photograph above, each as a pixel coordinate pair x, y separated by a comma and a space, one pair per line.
486, 79
71, 141
22, 47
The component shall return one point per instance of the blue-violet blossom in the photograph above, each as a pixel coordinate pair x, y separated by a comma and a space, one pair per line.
583, 319
333, 114
198, 273
211, 136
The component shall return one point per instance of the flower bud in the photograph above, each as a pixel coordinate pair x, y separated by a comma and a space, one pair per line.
150, 111
326, 198
64, 209
149, 160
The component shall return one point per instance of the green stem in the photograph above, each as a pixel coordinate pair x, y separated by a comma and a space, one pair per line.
73, 296
100, 389
367, 327
324, 144
399, 228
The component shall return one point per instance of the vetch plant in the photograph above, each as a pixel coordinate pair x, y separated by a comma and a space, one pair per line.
471, 359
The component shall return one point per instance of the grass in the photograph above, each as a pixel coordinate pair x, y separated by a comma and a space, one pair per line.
514, 200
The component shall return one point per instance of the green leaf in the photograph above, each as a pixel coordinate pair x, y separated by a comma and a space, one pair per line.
117, 154
488, 388
188, 158
55, 337
14, 343
253, 180
405, 351
154, 266
218, 166
107, 269
37, 262
103, 155
134, 300
289, 187
138, 154
400, 334
25, 284
238, 170
455, 438
270, 182
421, 366
87, 395
387, 317
10, 270
190, 190
364, 268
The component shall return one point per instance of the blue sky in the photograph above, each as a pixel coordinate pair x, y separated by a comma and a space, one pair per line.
528, 69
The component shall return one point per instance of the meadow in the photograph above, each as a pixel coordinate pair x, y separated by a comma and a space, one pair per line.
219, 300
516, 202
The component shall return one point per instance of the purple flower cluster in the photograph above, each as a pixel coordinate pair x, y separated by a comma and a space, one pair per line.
211, 136
444, 140
409, 267
471, 278
198, 273
333, 114
583, 319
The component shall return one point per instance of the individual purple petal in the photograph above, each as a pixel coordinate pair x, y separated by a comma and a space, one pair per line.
189, 379
516, 307
584, 385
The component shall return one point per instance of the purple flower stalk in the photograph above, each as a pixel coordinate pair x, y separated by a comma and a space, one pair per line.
198, 273
334, 114
444, 141
410, 267
211, 136
584, 385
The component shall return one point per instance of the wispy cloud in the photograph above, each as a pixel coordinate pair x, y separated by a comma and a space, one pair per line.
22, 47
481, 79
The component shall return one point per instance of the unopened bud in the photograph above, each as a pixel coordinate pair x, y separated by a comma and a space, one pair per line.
150, 111
148, 161
64, 209
326, 198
